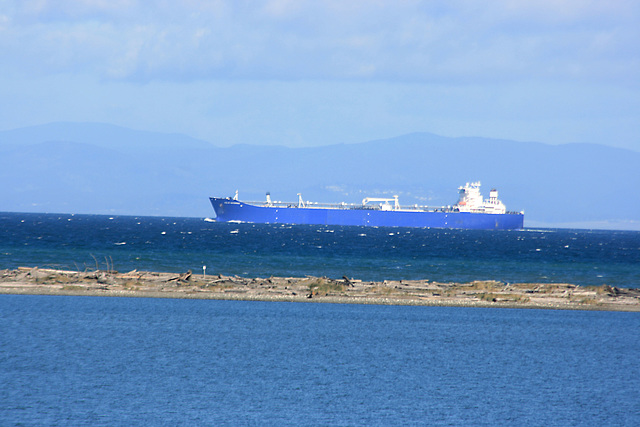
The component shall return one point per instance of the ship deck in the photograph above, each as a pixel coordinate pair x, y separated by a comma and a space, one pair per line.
355, 206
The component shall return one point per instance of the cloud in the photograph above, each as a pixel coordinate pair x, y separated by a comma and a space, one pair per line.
459, 41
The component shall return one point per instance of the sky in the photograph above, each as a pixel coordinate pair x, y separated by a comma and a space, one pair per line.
305, 73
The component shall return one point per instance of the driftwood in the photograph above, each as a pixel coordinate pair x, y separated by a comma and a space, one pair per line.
184, 277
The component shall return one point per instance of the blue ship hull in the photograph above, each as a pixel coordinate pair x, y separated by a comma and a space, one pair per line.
233, 210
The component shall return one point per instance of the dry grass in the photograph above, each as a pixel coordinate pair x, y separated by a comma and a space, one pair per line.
589, 301
483, 285
602, 290
61, 278
381, 290
216, 287
503, 297
74, 288
131, 285
322, 286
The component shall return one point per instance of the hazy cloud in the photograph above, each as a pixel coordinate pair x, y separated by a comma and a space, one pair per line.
460, 41
311, 72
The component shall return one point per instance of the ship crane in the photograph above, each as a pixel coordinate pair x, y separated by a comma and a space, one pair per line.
385, 206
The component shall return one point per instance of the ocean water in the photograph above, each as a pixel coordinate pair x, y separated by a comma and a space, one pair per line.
79, 242
139, 361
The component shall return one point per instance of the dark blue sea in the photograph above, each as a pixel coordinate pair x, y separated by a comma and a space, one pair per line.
138, 361
124, 243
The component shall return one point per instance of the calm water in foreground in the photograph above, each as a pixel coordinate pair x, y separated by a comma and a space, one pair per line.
137, 361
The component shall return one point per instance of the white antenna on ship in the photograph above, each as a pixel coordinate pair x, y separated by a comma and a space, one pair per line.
236, 196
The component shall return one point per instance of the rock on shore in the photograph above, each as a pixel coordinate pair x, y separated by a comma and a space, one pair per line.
40, 281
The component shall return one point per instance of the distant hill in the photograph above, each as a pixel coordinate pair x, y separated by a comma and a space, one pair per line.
100, 168
102, 135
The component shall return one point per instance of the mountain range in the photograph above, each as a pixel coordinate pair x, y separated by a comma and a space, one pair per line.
98, 168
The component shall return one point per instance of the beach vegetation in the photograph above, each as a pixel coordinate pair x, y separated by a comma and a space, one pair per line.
324, 286
131, 285
381, 290
217, 287
74, 288
108, 261
486, 285
588, 300
499, 297
62, 278
603, 290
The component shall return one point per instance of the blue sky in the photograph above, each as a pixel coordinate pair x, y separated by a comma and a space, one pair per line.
302, 73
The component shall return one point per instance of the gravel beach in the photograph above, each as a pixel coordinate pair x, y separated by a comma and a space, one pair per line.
37, 281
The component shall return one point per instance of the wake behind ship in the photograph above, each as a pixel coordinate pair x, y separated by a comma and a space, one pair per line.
470, 212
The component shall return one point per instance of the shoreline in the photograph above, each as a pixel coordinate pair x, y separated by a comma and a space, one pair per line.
556, 296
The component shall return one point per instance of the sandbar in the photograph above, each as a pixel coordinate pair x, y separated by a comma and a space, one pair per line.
481, 293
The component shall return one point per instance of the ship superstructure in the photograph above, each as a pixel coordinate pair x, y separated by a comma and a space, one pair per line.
471, 200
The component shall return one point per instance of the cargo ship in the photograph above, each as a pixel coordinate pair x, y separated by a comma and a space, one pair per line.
470, 212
